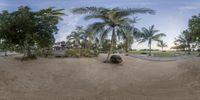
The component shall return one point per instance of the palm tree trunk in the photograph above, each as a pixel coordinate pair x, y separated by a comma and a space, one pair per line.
111, 45
149, 47
127, 48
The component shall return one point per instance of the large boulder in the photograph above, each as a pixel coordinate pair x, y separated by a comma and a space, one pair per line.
115, 59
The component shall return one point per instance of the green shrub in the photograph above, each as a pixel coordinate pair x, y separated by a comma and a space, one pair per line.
81, 53
145, 53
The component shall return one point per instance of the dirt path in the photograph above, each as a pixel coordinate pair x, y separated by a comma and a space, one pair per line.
90, 79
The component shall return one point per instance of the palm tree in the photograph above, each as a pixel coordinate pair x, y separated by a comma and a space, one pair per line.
184, 40
129, 34
162, 44
76, 36
150, 35
89, 37
111, 20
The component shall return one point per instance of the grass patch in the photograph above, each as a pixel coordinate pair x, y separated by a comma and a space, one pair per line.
138, 52
164, 54
156, 53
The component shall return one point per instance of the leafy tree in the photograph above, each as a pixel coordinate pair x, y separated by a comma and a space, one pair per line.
46, 21
150, 35
27, 29
184, 40
162, 44
194, 27
4, 22
110, 20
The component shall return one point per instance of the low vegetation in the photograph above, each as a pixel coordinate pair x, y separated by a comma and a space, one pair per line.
81, 53
156, 53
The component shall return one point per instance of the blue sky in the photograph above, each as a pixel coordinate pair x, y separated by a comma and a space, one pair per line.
171, 15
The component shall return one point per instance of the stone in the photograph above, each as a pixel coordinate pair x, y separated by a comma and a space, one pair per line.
116, 59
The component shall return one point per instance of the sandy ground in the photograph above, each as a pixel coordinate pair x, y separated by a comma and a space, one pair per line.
90, 79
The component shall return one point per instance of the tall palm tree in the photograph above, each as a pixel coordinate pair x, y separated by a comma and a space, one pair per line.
161, 44
111, 20
150, 35
184, 40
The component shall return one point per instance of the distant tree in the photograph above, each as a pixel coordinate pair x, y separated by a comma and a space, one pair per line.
184, 41
76, 36
111, 20
161, 44
130, 33
88, 37
150, 35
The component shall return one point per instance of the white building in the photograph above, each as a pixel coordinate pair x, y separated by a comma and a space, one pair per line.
59, 46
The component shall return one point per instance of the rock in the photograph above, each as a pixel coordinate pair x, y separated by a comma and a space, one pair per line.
115, 59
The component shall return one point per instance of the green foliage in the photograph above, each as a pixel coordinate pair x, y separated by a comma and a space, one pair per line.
164, 54
150, 35
155, 53
194, 26
81, 38
184, 41
161, 44
111, 20
28, 29
81, 53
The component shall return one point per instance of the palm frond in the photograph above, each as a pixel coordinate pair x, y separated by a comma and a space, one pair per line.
85, 10
94, 16
139, 11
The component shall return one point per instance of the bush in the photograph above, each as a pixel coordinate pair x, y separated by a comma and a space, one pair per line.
81, 53
144, 53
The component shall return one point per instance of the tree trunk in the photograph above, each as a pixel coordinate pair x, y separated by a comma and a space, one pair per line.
127, 48
6, 54
149, 47
111, 45
189, 49
162, 49
28, 51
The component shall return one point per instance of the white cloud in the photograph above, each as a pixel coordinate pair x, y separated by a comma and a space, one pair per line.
189, 7
66, 26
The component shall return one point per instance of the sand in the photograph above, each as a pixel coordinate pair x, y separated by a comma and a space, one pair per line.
90, 79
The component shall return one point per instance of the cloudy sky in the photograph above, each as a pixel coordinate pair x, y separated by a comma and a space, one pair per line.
171, 15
